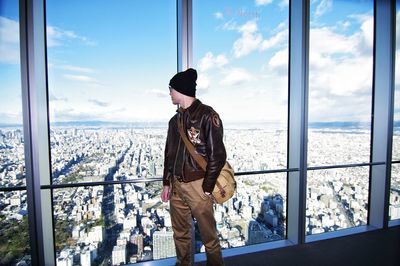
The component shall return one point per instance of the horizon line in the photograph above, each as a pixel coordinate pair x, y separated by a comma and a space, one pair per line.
56, 123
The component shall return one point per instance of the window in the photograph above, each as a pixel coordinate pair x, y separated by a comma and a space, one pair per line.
99, 223
14, 234
12, 172
394, 208
340, 100
107, 71
340, 82
109, 108
241, 54
336, 199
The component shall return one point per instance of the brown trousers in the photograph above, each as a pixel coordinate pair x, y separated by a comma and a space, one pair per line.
188, 200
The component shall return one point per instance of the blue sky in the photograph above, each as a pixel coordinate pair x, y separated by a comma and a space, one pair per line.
113, 62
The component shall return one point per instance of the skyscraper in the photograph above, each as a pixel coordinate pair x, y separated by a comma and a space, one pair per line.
137, 242
119, 255
163, 245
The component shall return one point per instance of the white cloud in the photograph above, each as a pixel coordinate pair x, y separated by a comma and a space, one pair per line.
59, 37
99, 103
281, 38
11, 117
284, 3
323, 7
235, 76
203, 82
319, 62
249, 41
263, 2
82, 78
340, 76
53, 98
229, 25
343, 25
159, 93
397, 69
279, 62
249, 28
281, 26
398, 29
210, 61
9, 41
77, 69
218, 15
9, 30
367, 28
326, 41
74, 114
349, 77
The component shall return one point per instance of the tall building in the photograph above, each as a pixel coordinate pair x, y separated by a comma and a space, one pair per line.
65, 261
137, 242
85, 258
118, 255
257, 233
163, 245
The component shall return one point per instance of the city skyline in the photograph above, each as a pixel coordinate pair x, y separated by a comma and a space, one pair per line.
103, 223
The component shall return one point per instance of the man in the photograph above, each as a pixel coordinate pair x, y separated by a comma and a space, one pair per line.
186, 185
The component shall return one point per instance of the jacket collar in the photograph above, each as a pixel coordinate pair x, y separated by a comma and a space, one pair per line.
191, 108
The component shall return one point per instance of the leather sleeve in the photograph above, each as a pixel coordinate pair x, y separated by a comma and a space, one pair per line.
166, 175
215, 148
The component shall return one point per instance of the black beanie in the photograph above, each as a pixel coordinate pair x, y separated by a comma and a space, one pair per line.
185, 82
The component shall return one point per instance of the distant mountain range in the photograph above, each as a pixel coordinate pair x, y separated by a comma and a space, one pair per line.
110, 124
143, 124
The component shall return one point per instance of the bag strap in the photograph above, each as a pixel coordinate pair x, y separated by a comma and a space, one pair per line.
197, 157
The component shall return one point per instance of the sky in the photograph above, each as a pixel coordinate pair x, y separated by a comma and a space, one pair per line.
113, 62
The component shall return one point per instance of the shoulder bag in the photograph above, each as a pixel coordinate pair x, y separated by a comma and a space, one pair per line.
225, 186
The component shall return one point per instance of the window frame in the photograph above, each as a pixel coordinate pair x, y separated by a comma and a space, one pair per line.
36, 125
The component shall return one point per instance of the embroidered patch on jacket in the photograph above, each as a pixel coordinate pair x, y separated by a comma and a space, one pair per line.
194, 135
216, 120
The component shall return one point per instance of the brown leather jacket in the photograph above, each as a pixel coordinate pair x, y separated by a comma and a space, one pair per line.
203, 128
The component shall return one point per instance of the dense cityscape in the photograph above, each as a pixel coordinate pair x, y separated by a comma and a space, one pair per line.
127, 223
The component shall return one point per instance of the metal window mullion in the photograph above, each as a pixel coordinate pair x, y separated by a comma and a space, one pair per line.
383, 94
35, 118
35, 239
184, 34
298, 117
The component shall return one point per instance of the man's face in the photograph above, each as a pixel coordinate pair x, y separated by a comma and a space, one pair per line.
175, 96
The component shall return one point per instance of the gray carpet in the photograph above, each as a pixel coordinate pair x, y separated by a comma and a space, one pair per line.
379, 247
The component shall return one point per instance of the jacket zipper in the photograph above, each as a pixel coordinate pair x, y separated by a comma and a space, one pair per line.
183, 163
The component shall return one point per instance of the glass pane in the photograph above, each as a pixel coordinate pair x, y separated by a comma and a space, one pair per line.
128, 223
336, 199
108, 87
105, 225
108, 225
12, 164
394, 207
340, 82
14, 229
240, 49
396, 123
258, 210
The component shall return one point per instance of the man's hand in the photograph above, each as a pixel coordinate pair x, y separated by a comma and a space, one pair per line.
165, 193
